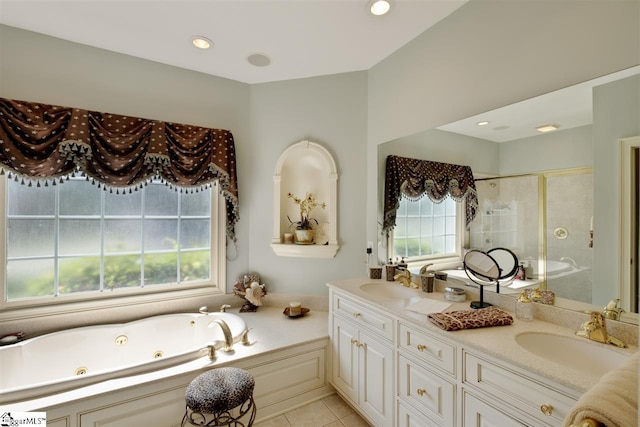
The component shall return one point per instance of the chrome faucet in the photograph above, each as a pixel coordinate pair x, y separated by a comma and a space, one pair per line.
228, 338
596, 330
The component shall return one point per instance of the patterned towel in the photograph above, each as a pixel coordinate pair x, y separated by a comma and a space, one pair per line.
469, 319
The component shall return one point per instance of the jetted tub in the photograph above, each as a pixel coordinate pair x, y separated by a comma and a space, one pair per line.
77, 357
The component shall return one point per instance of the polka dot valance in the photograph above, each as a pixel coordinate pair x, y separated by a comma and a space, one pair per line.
42, 143
414, 178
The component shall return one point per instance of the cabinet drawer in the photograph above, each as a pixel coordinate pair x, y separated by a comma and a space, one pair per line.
426, 392
517, 390
407, 417
364, 316
431, 350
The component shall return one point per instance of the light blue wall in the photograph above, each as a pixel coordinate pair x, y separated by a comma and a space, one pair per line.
616, 115
331, 111
564, 149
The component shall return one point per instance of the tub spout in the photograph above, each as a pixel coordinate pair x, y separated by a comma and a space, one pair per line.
228, 338
571, 261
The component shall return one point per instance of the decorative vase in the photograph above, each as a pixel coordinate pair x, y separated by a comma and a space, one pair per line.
304, 237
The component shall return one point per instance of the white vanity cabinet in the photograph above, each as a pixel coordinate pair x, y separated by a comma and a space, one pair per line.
439, 378
362, 358
519, 394
426, 377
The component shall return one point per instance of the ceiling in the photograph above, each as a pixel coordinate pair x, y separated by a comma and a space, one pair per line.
302, 38
567, 108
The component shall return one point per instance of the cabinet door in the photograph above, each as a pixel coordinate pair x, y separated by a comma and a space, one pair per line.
476, 413
345, 358
376, 379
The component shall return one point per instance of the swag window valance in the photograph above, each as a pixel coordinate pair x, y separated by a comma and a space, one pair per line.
43, 143
414, 178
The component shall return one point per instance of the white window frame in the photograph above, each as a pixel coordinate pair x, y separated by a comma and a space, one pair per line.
118, 297
440, 262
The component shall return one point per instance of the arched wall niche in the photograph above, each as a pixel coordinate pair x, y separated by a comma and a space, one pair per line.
305, 167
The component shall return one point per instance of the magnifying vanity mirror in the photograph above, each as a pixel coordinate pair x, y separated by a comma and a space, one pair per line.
578, 163
495, 267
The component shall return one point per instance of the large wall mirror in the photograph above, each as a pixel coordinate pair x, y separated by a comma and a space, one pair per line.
558, 199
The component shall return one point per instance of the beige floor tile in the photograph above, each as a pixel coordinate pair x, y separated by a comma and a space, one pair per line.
339, 407
354, 420
334, 424
312, 415
279, 421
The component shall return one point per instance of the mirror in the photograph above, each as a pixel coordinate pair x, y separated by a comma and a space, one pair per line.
495, 267
596, 116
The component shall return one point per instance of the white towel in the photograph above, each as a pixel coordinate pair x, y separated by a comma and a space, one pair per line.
613, 400
426, 306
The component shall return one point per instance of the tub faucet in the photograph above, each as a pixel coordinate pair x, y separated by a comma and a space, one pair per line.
596, 330
228, 338
570, 260
223, 308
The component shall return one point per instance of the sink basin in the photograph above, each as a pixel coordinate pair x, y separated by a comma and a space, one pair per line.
389, 292
573, 352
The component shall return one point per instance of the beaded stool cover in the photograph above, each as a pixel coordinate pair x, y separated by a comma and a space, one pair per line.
212, 397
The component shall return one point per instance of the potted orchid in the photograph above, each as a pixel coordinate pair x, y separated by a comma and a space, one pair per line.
304, 229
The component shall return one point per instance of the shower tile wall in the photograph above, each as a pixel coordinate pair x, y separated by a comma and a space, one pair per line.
507, 216
570, 207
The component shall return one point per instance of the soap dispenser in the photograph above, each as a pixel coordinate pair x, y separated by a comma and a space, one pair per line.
524, 308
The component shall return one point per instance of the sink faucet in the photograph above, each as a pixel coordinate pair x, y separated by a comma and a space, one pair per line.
425, 268
405, 279
228, 338
596, 330
612, 311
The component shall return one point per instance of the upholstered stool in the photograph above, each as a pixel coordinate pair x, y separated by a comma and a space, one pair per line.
220, 397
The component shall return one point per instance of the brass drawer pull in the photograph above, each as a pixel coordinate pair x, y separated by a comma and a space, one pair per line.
354, 341
356, 314
546, 409
421, 392
421, 347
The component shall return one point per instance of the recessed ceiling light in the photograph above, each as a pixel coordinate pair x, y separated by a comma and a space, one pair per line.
379, 7
201, 42
259, 60
483, 123
547, 128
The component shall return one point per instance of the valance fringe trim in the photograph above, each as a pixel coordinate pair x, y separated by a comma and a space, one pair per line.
43, 144
414, 179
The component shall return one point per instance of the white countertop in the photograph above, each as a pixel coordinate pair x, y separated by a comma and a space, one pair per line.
496, 341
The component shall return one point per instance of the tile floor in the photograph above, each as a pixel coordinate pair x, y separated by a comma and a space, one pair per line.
331, 411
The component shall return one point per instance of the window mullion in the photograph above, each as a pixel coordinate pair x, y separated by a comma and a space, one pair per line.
56, 242
103, 223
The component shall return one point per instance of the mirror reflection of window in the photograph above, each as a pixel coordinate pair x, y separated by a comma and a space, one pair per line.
426, 230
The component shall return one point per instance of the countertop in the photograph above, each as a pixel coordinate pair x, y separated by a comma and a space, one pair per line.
496, 341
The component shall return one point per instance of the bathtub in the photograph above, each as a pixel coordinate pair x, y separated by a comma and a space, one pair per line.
72, 358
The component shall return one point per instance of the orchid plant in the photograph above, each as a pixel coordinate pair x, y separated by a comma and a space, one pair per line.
307, 204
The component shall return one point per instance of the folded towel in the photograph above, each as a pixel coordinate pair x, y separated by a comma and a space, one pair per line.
469, 319
613, 400
426, 306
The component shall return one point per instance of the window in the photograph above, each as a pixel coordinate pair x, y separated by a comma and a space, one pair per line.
427, 231
74, 240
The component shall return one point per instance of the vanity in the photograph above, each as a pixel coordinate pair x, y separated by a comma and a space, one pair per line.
399, 369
